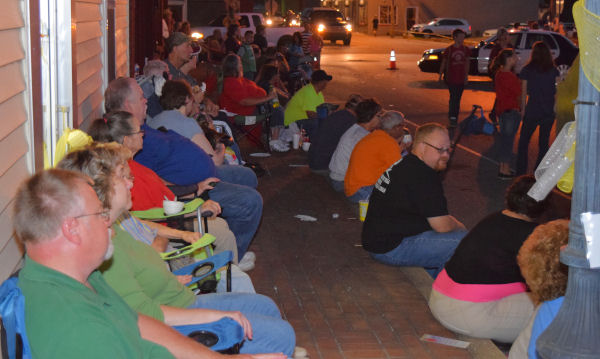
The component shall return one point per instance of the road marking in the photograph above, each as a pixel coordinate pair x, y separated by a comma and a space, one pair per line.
464, 148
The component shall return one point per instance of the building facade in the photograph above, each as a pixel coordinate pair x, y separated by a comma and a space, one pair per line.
57, 58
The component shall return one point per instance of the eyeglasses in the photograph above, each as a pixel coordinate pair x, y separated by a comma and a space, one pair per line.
105, 215
440, 150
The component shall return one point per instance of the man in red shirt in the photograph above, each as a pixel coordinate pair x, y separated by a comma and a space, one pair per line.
455, 68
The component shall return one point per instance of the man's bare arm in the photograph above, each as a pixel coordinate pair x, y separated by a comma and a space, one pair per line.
443, 224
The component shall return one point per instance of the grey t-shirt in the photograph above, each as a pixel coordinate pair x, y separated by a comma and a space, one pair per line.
176, 121
341, 157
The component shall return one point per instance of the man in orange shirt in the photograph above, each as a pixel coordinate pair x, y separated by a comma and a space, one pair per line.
375, 153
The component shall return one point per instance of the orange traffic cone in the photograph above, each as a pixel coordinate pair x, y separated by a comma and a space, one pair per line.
392, 60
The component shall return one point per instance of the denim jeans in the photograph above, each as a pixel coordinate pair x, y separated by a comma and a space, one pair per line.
311, 126
456, 92
530, 123
363, 193
338, 186
430, 250
509, 125
271, 334
241, 204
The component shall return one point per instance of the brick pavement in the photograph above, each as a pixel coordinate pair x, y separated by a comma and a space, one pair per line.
341, 303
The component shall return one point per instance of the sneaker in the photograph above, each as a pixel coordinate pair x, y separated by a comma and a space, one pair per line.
300, 353
278, 146
246, 266
249, 256
247, 262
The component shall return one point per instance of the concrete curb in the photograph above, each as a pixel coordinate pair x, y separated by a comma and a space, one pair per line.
479, 348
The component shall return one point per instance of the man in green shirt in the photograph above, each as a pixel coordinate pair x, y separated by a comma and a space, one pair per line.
302, 107
71, 312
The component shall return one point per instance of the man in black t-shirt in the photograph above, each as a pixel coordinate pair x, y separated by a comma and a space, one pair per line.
407, 223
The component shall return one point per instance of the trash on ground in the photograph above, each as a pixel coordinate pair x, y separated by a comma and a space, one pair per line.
260, 154
445, 341
305, 218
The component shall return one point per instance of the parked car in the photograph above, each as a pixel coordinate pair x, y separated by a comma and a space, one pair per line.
329, 23
562, 49
442, 26
512, 26
248, 21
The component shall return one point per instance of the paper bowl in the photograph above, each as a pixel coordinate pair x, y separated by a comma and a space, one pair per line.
172, 207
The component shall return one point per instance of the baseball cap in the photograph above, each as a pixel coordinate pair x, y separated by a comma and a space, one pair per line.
321, 75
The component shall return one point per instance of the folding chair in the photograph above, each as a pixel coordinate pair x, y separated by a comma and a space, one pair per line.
244, 126
207, 263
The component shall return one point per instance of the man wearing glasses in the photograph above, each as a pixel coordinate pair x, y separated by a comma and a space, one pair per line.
70, 310
407, 223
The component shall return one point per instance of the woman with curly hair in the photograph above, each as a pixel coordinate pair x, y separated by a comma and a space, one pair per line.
481, 292
546, 277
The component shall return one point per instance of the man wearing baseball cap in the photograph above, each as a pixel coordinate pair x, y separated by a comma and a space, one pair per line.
302, 107
179, 57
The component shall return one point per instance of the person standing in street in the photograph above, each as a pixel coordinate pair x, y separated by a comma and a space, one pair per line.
455, 70
375, 25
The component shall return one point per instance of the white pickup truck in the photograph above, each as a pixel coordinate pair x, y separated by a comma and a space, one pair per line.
248, 21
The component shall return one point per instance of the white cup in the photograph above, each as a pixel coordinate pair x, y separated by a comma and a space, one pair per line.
305, 146
296, 141
172, 207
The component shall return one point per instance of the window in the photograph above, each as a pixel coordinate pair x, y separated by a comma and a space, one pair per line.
218, 22
244, 22
387, 15
533, 38
256, 20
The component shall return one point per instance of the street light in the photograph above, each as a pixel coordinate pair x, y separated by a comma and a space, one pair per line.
575, 330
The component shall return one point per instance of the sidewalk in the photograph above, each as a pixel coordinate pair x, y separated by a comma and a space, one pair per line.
341, 303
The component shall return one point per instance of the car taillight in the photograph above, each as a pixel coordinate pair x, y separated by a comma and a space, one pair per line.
469, 27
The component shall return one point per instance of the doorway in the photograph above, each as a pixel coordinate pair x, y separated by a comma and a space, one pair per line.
411, 17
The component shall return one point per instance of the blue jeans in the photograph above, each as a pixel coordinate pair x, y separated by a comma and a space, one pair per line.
456, 92
311, 126
338, 186
509, 125
271, 333
530, 123
241, 204
362, 194
430, 250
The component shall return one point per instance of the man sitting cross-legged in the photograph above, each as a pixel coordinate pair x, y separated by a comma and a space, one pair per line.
408, 223
70, 311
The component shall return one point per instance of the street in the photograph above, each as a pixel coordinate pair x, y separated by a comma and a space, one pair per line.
472, 188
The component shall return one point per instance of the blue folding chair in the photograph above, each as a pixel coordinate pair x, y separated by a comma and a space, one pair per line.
12, 309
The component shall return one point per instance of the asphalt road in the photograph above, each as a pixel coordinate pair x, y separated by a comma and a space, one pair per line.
472, 187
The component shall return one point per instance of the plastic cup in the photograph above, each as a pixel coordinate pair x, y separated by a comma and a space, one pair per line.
296, 141
305, 146
363, 206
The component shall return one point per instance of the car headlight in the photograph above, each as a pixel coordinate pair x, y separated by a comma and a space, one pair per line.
348, 27
320, 28
294, 23
432, 57
197, 35
269, 22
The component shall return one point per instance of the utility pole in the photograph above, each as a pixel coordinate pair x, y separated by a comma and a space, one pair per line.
575, 331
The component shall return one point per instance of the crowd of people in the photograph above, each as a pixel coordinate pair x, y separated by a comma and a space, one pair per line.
99, 266
528, 97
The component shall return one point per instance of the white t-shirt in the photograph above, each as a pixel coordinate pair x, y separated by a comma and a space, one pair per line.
341, 157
